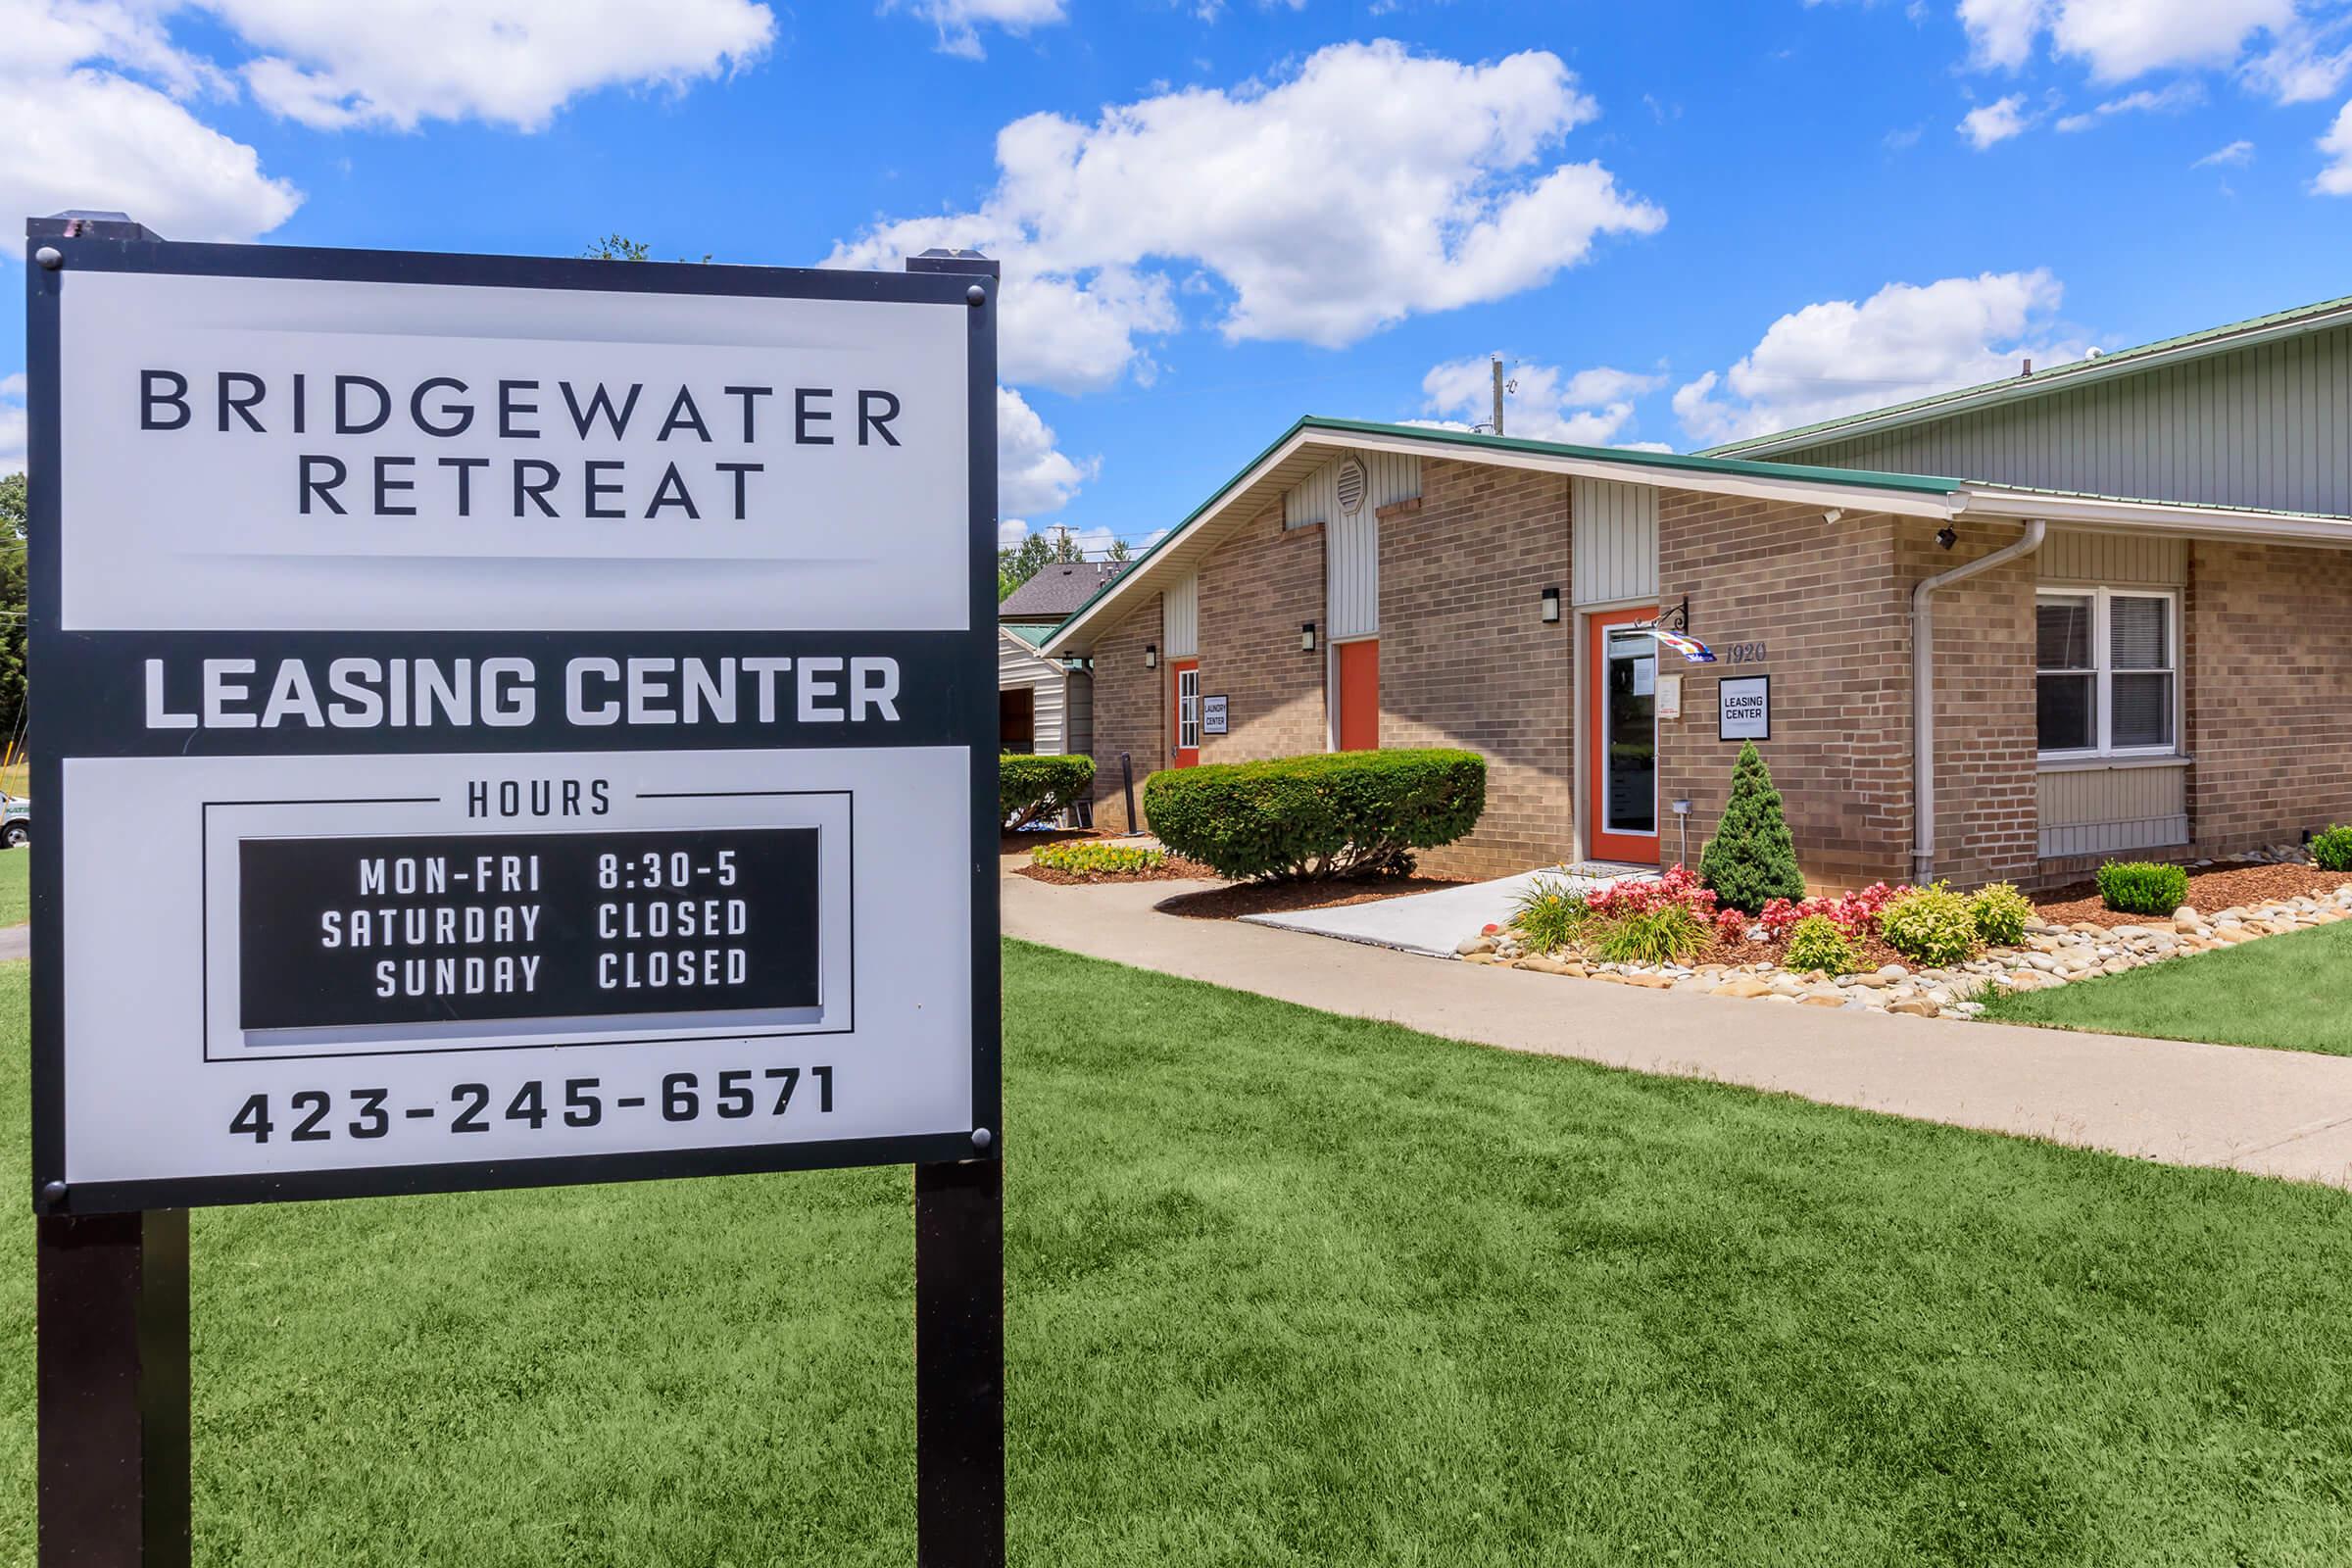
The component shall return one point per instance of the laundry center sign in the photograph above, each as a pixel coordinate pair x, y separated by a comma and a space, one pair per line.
485, 705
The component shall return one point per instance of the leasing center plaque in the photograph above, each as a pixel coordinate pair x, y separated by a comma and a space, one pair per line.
504, 721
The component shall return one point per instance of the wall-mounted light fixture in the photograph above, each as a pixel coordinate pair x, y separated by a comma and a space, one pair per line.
1551, 606
1306, 638
1947, 536
1151, 656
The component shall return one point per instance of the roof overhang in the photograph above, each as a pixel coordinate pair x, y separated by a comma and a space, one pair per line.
1989, 502
1310, 443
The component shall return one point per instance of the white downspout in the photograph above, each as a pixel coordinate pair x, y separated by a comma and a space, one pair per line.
1923, 691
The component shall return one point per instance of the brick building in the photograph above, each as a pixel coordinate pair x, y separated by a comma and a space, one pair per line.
2137, 617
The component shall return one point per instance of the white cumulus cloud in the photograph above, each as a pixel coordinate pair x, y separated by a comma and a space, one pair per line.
515, 63
2177, 98
1370, 184
1989, 124
11, 425
2120, 39
2335, 179
1906, 341
1033, 475
960, 20
1541, 402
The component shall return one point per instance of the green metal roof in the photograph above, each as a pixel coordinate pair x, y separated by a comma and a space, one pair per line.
2041, 381
1032, 633
1854, 478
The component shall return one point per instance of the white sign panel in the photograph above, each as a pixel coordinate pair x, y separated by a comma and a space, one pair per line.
507, 721
1746, 708
1213, 715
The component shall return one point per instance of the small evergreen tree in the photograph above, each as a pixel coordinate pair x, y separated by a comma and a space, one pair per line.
1752, 860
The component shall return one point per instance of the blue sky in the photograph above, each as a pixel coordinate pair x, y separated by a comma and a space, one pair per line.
1680, 221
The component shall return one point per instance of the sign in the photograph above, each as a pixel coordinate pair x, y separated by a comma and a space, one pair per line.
1670, 697
500, 719
1746, 708
1213, 715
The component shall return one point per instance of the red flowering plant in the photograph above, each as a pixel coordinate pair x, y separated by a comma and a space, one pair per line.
1854, 914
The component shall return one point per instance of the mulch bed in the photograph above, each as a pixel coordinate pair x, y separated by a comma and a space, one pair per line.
1236, 899
2209, 893
1175, 869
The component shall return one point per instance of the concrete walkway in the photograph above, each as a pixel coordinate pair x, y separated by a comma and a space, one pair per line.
2280, 1112
1434, 923
15, 942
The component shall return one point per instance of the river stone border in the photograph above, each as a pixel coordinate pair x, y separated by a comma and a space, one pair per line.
2051, 956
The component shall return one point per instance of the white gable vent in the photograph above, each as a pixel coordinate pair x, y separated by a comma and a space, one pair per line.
1350, 486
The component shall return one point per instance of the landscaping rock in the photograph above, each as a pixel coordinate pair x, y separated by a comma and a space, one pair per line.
1477, 945
1744, 985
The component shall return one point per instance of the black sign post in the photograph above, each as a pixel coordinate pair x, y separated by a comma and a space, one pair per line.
489, 785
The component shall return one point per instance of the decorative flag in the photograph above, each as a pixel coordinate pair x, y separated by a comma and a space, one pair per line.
1690, 648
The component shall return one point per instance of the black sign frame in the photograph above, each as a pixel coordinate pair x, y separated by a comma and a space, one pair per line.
1764, 681
82, 677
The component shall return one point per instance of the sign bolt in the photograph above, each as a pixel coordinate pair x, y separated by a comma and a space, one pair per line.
975, 295
53, 1192
51, 258
982, 1138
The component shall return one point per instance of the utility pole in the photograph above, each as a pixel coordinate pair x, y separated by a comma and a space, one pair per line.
1496, 364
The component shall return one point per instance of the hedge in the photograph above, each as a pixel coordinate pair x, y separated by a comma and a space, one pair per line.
1032, 787
1334, 814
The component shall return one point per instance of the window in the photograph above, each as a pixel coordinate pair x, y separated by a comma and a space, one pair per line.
2106, 672
1188, 709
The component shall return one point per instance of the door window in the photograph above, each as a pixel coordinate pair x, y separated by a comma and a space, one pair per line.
1188, 709
1629, 728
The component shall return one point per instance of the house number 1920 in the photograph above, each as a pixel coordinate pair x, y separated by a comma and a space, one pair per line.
1748, 653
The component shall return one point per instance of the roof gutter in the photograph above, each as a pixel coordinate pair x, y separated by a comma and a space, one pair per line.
1923, 690
2155, 516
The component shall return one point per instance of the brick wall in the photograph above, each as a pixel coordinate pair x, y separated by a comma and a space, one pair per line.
1255, 592
1465, 658
1988, 806
1130, 712
2268, 648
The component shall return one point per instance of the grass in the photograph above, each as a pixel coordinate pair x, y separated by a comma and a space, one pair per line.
16, 887
1290, 1289
2285, 993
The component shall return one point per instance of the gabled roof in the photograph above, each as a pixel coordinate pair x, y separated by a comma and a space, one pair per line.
1059, 587
1313, 441
1034, 634
2304, 318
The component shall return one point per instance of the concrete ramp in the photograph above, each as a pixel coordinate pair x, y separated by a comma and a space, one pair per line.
1436, 922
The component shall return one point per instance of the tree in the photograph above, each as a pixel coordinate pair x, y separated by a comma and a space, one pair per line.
1118, 550
1752, 860
617, 248
15, 519
1017, 563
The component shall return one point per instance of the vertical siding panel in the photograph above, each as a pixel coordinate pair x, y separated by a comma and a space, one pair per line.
1615, 552
1180, 617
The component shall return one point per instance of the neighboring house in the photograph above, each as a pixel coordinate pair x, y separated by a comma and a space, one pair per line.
1044, 704
1058, 588
2162, 669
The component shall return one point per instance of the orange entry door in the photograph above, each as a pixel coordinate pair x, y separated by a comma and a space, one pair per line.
1359, 696
1186, 674
1621, 740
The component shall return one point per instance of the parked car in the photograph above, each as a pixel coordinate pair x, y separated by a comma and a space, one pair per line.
16, 822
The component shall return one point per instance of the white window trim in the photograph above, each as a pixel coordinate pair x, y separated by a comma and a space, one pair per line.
1188, 709
2102, 669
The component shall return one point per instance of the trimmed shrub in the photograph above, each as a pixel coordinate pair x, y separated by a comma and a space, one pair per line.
1094, 858
1331, 814
1751, 861
2142, 887
1032, 788
1670, 933
1930, 925
2331, 849
1818, 942
2002, 912
1549, 916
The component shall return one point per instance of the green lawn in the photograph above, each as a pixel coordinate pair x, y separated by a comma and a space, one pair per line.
2286, 993
1291, 1288
16, 887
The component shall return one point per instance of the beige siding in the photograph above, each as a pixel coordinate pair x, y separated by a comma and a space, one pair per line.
1017, 664
1389, 477
2114, 560
1078, 713
2267, 427
1180, 617
1355, 596
1615, 555
2099, 810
